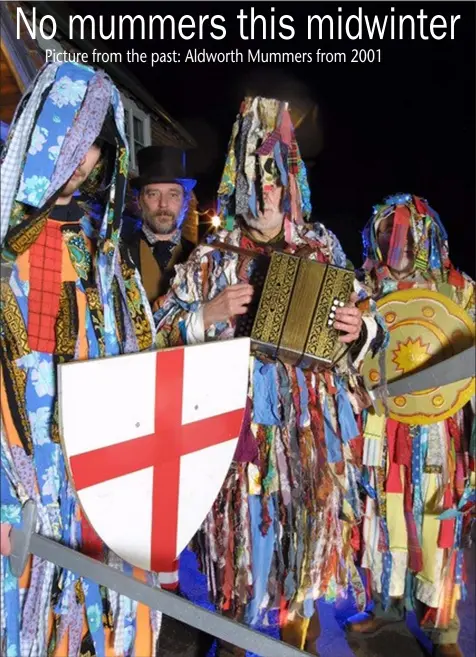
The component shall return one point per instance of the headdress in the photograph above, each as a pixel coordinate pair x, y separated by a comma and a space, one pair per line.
412, 216
67, 108
263, 150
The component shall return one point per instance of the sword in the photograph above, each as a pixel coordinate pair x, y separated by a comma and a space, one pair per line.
458, 367
26, 541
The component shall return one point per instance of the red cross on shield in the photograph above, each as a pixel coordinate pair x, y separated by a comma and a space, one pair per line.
150, 448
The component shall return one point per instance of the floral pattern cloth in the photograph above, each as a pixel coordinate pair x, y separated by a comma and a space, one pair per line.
67, 94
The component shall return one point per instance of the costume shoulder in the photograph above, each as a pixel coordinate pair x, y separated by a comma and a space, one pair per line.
206, 249
328, 242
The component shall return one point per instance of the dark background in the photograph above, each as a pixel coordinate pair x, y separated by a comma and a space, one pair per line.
404, 124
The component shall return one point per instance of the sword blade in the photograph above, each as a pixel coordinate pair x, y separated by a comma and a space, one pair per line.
458, 367
25, 542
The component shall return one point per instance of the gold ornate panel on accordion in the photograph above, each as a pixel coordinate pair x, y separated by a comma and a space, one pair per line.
293, 320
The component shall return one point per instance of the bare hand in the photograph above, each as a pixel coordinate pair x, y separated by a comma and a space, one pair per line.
349, 320
233, 300
5, 544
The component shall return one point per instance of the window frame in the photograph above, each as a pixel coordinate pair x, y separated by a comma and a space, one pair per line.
134, 112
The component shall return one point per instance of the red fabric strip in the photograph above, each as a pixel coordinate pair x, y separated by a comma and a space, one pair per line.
447, 527
454, 432
421, 206
456, 278
401, 224
394, 482
91, 544
405, 285
403, 445
45, 288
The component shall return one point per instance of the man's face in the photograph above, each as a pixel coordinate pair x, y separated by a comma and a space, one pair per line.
83, 170
271, 217
384, 236
161, 204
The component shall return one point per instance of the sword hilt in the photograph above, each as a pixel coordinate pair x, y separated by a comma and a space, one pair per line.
20, 538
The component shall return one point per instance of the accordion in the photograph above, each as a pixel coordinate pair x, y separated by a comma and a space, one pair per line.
292, 313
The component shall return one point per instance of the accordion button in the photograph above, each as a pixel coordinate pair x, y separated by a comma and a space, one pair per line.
341, 304
336, 301
334, 308
330, 322
332, 315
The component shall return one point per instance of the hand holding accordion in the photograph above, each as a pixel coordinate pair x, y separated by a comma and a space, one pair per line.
230, 302
292, 316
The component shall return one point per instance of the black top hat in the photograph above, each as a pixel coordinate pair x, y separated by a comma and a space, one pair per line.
161, 164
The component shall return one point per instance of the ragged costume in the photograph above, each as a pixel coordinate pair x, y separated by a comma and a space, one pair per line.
66, 294
279, 534
419, 478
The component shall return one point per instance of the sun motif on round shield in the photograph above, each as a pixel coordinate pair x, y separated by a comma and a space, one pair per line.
410, 354
425, 327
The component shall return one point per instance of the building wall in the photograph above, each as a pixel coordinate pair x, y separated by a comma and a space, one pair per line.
9, 89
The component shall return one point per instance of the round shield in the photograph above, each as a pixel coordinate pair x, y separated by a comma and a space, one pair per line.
426, 328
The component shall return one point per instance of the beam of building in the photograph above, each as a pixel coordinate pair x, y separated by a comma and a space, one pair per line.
15, 51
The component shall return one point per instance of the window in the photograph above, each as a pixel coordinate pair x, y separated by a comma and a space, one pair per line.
137, 125
126, 124
138, 134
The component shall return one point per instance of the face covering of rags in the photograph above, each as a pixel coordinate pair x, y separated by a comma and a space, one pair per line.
276, 538
414, 530
65, 295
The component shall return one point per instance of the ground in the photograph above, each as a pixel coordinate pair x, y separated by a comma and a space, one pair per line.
332, 642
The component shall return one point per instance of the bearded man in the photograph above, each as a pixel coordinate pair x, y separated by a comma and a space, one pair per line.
167, 233
275, 538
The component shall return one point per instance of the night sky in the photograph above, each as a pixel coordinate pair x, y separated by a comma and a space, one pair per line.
404, 124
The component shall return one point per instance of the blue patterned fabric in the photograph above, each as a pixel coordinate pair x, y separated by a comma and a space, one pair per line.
54, 121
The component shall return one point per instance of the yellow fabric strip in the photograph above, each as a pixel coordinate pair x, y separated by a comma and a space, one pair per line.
397, 528
431, 529
294, 632
373, 439
375, 426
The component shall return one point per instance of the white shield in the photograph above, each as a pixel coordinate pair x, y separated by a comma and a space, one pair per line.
149, 438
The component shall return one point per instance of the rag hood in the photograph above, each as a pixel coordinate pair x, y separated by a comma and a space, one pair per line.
65, 111
263, 150
412, 216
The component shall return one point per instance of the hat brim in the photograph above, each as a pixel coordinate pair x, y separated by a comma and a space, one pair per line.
187, 183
